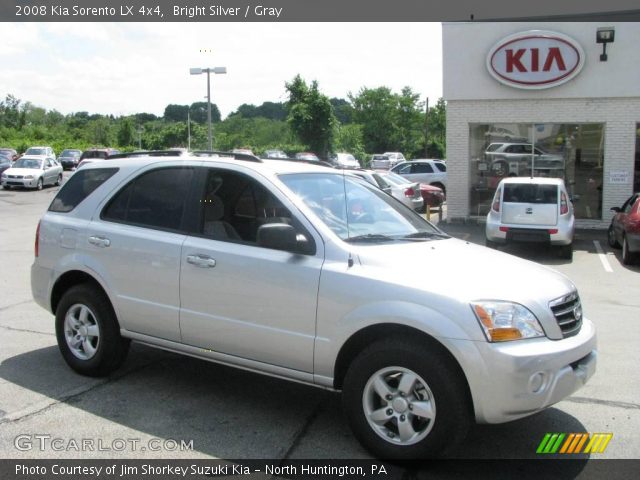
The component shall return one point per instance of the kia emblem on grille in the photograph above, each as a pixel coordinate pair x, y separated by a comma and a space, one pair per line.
529, 211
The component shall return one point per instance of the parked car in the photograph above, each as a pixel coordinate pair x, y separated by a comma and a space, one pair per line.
245, 151
385, 161
310, 274
428, 170
308, 156
13, 155
69, 158
344, 160
95, 154
432, 196
531, 210
275, 154
5, 161
396, 186
625, 229
32, 172
503, 134
515, 159
40, 151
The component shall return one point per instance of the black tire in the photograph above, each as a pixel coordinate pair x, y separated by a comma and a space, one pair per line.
40, 184
110, 348
611, 238
6, 187
446, 391
566, 251
628, 258
59, 180
490, 244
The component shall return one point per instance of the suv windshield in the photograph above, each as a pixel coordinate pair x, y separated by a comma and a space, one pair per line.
357, 211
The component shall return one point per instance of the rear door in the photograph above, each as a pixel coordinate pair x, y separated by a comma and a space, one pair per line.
530, 204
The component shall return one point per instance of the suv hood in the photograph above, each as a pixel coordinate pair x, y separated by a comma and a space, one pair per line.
464, 271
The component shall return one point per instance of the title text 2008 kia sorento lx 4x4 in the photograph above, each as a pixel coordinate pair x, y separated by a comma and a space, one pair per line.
307, 273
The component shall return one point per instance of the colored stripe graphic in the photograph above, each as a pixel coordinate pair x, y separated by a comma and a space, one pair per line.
573, 443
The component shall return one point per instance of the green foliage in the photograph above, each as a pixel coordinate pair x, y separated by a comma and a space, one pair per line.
311, 116
198, 112
126, 133
349, 139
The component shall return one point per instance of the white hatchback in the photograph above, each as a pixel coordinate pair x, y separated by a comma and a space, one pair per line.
531, 210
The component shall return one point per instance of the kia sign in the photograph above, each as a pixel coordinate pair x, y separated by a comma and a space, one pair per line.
535, 59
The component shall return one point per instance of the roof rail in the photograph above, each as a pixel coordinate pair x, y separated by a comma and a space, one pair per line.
152, 153
322, 163
237, 156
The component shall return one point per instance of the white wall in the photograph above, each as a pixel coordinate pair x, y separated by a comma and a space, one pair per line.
465, 48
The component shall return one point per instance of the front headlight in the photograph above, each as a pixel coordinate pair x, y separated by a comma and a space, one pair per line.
504, 321
28, 177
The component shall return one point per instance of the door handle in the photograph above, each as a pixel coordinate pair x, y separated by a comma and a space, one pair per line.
202, 261
99, 241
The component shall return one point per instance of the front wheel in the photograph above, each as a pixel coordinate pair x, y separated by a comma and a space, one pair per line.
59, 180
88, 332
611, 238
40, 184
406, 401
628, 258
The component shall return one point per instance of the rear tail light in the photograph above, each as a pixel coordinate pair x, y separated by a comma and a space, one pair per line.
504, 229
564, 205
37, 243
409, 192
496, 202
553, 231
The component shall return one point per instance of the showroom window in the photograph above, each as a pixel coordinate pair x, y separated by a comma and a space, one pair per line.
573, 152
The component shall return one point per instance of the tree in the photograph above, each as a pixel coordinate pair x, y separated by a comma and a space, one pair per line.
199, 113
436, 146
176, 113
310, 116
343, 110
126, 133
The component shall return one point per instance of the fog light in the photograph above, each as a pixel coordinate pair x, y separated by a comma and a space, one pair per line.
537, 382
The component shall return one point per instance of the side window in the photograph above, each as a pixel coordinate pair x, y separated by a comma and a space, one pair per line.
155, 199
629, 204
78, 187
404, 169
422, 168
441, 166
235, 205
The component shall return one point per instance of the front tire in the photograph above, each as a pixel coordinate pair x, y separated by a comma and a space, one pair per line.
59, 180
88, 332
40, 184
405, 400
628, 258
611, 238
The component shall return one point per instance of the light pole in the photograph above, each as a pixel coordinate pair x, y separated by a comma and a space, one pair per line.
140, 130
208, 71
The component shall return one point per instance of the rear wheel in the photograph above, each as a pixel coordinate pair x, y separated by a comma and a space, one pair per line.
406, 401
88, 332
611, 238
6, 187
566, 251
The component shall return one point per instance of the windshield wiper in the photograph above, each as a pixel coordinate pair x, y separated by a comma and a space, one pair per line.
425, 235
371, 237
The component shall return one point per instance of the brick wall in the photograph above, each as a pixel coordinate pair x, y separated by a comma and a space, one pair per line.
620, 116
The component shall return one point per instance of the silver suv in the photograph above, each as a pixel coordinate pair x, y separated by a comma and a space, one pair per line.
302, 272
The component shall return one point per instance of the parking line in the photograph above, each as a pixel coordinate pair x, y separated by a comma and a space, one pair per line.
603, 257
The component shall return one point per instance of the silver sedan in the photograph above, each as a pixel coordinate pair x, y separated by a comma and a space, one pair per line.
34, 171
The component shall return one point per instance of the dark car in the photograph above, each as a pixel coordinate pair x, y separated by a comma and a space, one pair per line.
69, 158
10, 152
5, 161
625, 229
96, 154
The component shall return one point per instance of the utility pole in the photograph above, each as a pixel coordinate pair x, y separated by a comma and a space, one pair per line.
426, 130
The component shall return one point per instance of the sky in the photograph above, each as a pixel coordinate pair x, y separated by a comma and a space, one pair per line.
125, 68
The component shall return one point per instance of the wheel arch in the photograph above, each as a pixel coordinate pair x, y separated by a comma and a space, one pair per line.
368, 335
71, 279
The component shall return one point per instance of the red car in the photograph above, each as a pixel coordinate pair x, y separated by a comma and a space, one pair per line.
433, 196
625, 229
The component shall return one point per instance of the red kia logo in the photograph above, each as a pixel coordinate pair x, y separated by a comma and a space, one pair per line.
535, 59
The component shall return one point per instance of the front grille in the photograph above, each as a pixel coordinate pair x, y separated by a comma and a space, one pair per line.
568, 313
16, 176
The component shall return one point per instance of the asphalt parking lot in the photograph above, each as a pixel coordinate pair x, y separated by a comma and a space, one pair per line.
160, 399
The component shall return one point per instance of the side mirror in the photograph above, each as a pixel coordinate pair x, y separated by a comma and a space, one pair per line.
616, 209
278, 236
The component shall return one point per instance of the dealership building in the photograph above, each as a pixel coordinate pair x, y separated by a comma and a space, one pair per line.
544, 99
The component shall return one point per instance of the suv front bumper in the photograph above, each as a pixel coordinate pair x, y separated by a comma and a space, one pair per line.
511, 380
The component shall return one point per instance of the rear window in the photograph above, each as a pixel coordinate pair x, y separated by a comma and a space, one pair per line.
94, 154
78, 187
530, 193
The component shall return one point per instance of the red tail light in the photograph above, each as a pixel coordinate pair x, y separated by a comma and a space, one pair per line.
496, 202
409, 192
564, 205
37, 244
